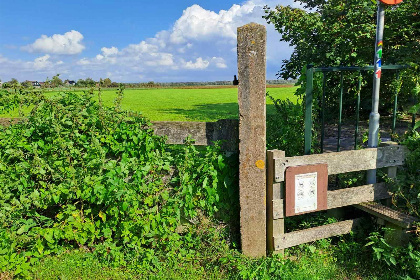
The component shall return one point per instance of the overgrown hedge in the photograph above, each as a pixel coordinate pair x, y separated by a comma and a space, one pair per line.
76, 174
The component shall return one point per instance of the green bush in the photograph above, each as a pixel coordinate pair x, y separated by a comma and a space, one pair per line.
79, 175
403, 261
285, 128
406, 190
406, 187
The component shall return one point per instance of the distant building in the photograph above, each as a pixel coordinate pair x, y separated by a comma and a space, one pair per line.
69, 83
35, 84
28, 84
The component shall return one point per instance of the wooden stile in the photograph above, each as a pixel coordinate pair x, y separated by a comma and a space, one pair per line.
363, 197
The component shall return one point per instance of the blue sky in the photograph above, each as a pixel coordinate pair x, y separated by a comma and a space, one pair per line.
129, 41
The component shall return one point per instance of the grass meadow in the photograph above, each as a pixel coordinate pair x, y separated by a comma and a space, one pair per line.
185, 104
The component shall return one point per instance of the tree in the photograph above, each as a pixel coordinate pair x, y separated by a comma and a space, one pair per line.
27, 84
106, 82
80, 83
337, 32
47, 83
56, 81
89, 82
13, 83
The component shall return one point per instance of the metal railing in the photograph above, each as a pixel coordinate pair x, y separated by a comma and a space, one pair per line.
310, 70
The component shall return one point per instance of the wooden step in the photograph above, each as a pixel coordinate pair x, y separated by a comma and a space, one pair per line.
393, 216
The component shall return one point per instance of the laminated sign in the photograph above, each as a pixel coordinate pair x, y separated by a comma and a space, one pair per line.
306, 189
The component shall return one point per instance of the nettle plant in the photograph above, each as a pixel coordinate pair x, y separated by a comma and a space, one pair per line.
76, 174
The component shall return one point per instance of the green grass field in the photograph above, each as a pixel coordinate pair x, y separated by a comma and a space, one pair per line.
175, 104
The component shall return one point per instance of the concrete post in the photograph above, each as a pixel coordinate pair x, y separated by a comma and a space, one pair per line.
252, 137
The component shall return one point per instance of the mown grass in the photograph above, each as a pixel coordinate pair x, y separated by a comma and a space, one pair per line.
175, 104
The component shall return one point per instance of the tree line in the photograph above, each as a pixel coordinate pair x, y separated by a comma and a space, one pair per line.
56, 81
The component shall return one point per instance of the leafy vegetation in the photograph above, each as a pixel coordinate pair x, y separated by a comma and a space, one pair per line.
77, 174
282, 126
406, 187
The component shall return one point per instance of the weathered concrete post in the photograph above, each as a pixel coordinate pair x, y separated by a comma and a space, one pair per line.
252, 137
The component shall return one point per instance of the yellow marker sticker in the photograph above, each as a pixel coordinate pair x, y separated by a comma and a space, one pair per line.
260, 164
252, 42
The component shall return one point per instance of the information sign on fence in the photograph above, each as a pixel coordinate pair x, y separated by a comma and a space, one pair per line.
306, 189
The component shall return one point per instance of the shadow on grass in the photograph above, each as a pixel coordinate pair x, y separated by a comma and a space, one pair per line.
210, 112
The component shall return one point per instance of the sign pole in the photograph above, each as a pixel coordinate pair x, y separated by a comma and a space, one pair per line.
374, 115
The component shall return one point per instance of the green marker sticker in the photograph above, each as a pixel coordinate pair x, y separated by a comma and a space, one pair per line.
379, 53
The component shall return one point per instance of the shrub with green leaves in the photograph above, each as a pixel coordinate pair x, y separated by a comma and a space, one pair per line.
404, 261
406, 187
76, 174
285, 128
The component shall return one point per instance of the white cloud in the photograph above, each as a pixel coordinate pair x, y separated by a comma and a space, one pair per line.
140, 48
42, 62
68, 43
219, 62
109, 51
160, 59
23, 70
200, 24
198, 64
84, 61
200, 41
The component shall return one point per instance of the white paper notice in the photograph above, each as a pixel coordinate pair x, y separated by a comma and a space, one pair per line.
306, 192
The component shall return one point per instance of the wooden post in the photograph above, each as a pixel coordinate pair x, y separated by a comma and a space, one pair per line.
275, 202
252, 137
